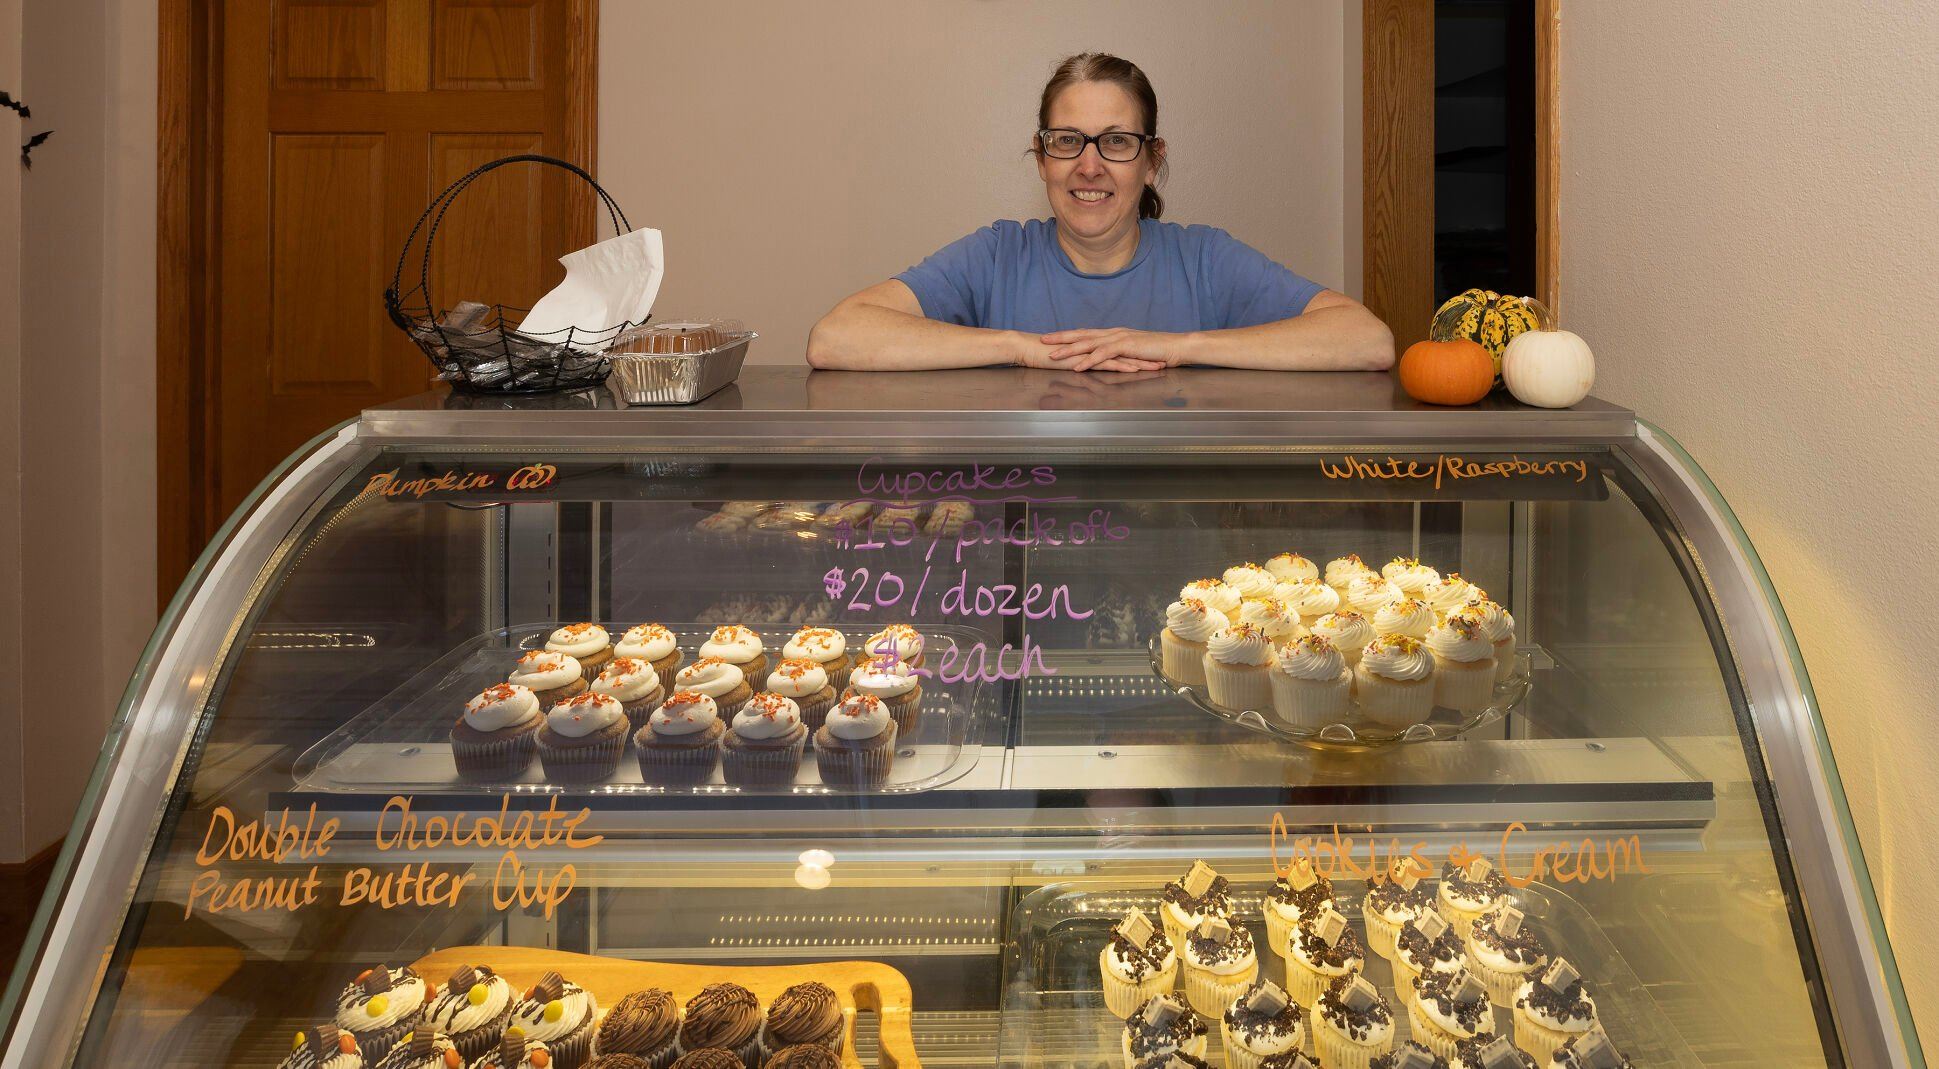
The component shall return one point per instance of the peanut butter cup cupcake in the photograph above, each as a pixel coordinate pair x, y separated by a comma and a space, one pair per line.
809, 684
895, 684
739, 646
472, 1008
324, 1046
763, 746
806, 1014
826, 647
379, 1006
654, 644
640, 1025
560, 1015
551, 677
726, 1016
680, 744
498, 735
856, 746
423, 1048
515, 1051
589, 644
635, 685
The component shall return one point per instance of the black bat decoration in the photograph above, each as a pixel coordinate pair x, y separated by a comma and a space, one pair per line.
33, 143
9, 102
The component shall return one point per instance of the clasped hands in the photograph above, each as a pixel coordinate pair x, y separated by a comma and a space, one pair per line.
1105, 349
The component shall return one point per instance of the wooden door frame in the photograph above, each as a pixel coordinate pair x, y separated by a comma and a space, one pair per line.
1397, 160
187, 349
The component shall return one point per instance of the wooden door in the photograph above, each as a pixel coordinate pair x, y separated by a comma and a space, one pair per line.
339, 120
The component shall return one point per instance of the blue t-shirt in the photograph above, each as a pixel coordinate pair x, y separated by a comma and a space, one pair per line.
1014, 276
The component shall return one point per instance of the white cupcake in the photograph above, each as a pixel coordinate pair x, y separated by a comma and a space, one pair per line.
1262, 1022
1410, 575
1215, 594
1303, 892
1237, 663
1408, 616
1342, 571
1191, 899
1426, 944
1448, 593
1368, 593
1322, 949
1249, 580
1310, 598
1352, 1025
1500, 629
1291, 567
1159, 1027
1188, 624
1394, 898
1271, 616
1348, 631
1464, 663
1136, 965
1219, 963
1448, 1009
1310, 683
1395, 681
1467, 893
1551, 1009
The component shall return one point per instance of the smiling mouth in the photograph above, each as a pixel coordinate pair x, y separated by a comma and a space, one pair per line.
1090, 196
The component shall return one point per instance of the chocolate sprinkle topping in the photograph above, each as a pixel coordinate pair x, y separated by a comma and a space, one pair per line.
722, 1015
1569, 1004
1358, 1024
1146, 1040
1257, 1028
804, 1056
1523, 947
1140, 962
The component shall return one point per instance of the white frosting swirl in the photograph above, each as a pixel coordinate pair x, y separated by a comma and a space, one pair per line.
1404, 617
1399, 657
1194, 621
650, 641
1369, 592
1291, 567
1237, 963
684, 713
797, 677
1298, 944
576, 1006
1214, 593
501, 706
1462, 639
1308, 597
1495, 621
579, 640
452, 1013
627, 679
1348, 631
1311, 657
1541, 1015
734, 643
1273, 617
883, 677
1240, 644
1431, 1008
545, 670
1379, 1033
1122, 968
1410, 575
815, 644
901, 639
1447, 593
1342, 571
767, 716
861, 716
405, 997
578, 717
710, 676
1250, 580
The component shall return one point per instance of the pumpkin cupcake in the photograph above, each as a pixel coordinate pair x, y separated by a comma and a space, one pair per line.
551, 677
1322, 949
1216, 595
324, 1046
1237, 663
894, 683
900, 641
1189, 624
582, 742
1138, 964
680, 744
633, 683
739, 646
560, 1014
763, 745
498, 735
856, 745
1299, 894
826, 647
472, 1008
654, 644
727, 1016
640, 1025
720, 680
1352, 1024
379, 1006
586, 643
1395, 681
804, 1015
808, 684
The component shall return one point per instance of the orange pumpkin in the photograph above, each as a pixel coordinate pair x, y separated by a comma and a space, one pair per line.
1458, 372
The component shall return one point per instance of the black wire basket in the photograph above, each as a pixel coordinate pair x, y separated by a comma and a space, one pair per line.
479, 347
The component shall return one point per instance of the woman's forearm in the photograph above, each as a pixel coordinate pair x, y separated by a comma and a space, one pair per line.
865, 337
1324, 339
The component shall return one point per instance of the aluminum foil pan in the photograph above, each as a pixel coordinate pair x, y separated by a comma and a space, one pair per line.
677, 378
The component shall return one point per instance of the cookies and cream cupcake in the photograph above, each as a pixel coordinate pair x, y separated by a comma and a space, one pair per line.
472, 1008
1447, 1009
1500, 629
1250, 580
1410, 1055
1299, 894
806, 1014
1395, 681
1261, 1022
1464, 663
1369, 592
1189, 900
324, 1046
1426, 944
1273, 617
589, 644
1410, 575
552, 677
720, 680
1218, 961
680, 744
641, 1025
379, 1006
804, 1056
560, 1014
899, 641
1321, 950
653, 643
1189, 625
1160, 1026
1291, 567
1310, 598
1448, 593
826, 647
739, 646
806, 682
725, 1015
1551, 1009
763, 746
1408, 616
583, 739
1310, 683
1237, 661
1216, 595
1590, 1050
496, 738
1468, 892
1137, 965
633, 683
1347, 630
895, 683
1352, 1024
1503, 953
423, 1048
1490, 1051
856, 744
1395, 897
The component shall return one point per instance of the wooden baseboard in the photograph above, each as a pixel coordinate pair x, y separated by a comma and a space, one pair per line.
43, 859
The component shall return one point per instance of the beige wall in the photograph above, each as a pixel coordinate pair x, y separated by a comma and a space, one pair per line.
1749, 219
794, 153
12, 825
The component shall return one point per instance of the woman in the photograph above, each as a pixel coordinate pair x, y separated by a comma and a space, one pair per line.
1104, 285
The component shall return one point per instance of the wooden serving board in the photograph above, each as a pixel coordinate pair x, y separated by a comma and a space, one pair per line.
860, 985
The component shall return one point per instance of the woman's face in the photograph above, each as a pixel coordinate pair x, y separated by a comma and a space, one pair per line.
1091, 196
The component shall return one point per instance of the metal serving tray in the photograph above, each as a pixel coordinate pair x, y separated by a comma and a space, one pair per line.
400, 743
1053, 1002
677, 378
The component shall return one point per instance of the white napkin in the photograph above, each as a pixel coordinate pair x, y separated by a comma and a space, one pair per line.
607, 284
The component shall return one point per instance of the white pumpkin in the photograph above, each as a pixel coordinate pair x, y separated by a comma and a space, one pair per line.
1548, 368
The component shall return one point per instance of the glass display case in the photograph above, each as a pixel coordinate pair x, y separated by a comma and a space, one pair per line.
1593, 742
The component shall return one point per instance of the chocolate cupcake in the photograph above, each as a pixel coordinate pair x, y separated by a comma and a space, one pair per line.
654, 644
472, 1008
805, 1014
589, 644
496, 738
559, 1014
897, 686
804, 1056
423, 1048
515, 1051
727, 1016
641, 1025
324, 1046
725, 683
582, 742
379, 1006
809, 685
680, 744
710, 1058
739, 646
856, 747
764, 746
634, 684
826, 647
552, 677
617, 1061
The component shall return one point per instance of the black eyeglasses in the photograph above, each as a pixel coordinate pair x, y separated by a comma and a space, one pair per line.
1115, 145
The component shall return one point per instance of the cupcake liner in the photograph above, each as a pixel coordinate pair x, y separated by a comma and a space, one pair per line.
1279, 930
1461, 920
1404, 977
815, 713
1464, 686
1537, 1038
1395, 703
666, 666
838, 671
1339, 1051
1122, 998
498, 760
763, 766
1431, 1035
1381, 932
583, 764
676, 766
573, 1050
473, 1043
1238, 687
1304, 984
1309, 703
1504, 658
374, 1043
1237, 1057
590, 666
857, 768
1501, 985
1184, 661
906, 711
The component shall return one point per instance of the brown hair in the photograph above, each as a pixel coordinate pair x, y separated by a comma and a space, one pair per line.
1102, 67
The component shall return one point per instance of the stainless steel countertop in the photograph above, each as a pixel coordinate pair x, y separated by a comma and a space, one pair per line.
980, 404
